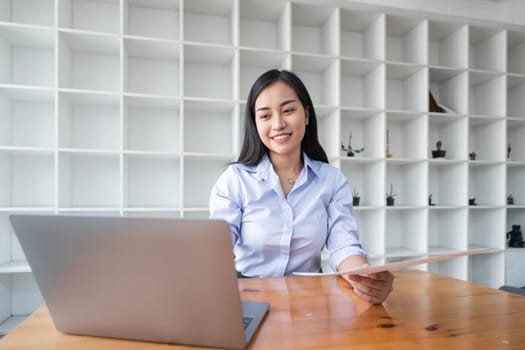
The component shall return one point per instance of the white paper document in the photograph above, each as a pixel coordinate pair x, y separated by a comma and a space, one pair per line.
367, 270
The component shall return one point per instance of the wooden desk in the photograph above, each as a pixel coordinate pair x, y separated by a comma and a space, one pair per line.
424, 311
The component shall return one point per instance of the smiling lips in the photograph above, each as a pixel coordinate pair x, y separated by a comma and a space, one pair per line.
280, 138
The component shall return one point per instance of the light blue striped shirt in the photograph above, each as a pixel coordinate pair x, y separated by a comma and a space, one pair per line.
274, 235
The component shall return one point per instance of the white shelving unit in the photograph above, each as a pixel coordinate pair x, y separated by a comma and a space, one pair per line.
134, 107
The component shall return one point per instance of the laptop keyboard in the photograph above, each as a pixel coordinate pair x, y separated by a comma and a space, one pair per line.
246, 321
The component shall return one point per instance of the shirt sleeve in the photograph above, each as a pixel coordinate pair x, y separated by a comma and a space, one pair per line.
225, 202
343, 235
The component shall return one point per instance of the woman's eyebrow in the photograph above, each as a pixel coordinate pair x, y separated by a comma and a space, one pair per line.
282, 104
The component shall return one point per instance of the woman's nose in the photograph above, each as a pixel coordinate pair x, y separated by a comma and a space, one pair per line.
278, 122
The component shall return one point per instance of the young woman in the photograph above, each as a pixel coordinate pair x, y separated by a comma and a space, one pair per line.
282, 199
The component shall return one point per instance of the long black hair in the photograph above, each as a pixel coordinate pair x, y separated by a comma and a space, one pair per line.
253, 150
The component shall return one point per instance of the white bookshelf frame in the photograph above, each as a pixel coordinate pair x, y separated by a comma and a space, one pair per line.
134, 107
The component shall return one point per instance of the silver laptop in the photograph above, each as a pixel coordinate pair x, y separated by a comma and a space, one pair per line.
150, 279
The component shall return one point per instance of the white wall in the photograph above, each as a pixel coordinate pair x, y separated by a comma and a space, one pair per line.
504, 11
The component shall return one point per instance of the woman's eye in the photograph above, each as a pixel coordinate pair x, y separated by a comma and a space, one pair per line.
264, 116
288, 111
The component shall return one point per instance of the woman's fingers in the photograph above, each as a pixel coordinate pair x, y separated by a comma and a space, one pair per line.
373, 288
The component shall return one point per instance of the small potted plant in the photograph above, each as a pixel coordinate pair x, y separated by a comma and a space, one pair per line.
390, 196
355, 198
472, 155
438, 152
510, 199
349, 150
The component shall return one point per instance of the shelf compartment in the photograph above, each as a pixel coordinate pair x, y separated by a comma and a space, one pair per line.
89, 121
485, 186
451, 133
27, 56
81, 14
362, 34
26, 179
407, 135
516, 141
487, 139
319, 75
405, 233
199, 178
516, 52
21, 297
152, 182
515, 216
36, 12
209, 127
406, 88
448, 184
27, 117
361, 84
152, 67
253, 63
152, 124
449, 88
487, 48
406, 39
315, 29
208, 72
12, 257
159, 19
487, 229
409, 183
515, 177
89, 61
366, 132
219, 17
364, 178
173, 213
486, 269
447, 230
448, 44
515, 96
328, 120
196, 214
88, 180
486, 94
264, 25
371, 224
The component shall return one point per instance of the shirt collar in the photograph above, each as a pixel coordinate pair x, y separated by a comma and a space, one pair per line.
263, 168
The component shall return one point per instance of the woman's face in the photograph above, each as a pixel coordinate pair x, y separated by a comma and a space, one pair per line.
280, 119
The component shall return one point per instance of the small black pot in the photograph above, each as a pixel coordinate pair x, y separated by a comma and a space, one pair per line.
390, 201
439, 154
355, 201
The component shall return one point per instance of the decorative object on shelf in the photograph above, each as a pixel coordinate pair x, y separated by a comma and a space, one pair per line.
510, 199
349, 150
390, 196
472, 201
515, 237
438, 152
433, 106
472, 155
509, 149
430, 201
388, 152
355, 198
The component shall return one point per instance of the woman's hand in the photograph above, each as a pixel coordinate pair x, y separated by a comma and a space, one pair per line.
373, 288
